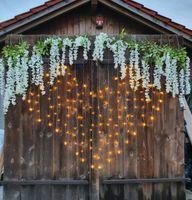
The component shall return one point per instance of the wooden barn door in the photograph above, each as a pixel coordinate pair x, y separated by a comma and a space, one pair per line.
88, 136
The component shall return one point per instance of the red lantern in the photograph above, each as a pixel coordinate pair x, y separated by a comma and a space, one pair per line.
99, 21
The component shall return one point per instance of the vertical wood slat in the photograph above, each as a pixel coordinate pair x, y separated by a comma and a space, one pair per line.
166, 136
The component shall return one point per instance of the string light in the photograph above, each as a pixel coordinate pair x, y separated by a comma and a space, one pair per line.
112, 123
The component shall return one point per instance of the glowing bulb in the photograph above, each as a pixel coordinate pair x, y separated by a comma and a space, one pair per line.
84, 85
158, 109
134, 133
30, 109
160, 101
65, 143
82, 160
39, 120
99, 167
49, 124
116, 133
126, 141
118, 151
57, 130
151, 118
92, 166
77, 153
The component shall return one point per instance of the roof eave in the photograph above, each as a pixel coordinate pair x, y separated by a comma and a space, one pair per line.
67, 6
147, 17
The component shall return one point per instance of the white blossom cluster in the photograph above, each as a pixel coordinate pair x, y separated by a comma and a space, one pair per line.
101, 41
168, 74
175, 83
9, 95
158, 72
145, 78
67, 43
15, 79
184, 82
181, 87
2, 76
22, 75
54, 59
119, 49
84, 42
37, 69
187, 77
134, 68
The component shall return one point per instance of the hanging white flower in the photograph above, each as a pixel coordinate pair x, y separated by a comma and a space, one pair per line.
119, 49
101, 41
81, 41
2, 76
145, 78
37, 69
86, 47
175, 84
67, 43
158, 72
137, 68
131, 69
21, 74
181, 88
134, 68
9, 96
187, 77
54, 59
167, 74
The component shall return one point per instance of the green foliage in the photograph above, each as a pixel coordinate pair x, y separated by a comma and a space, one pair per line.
150, 51
14, 51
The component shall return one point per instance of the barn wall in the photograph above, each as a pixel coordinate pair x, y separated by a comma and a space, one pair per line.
33, 152
81, 21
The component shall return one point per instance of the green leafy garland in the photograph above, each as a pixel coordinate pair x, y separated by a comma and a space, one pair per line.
172, 63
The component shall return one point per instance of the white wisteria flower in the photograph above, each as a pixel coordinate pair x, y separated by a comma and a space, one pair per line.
187, 77
2, 76
168, 74
81, 41
118, 48
181, 88
158, 72
137, 68
9, 95
21, 74
101, 41
131, 69
37, 69
145, 78
134, 68
54, 59
67, 43
175, 84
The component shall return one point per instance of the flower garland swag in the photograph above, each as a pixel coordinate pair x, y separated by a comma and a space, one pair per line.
16, 63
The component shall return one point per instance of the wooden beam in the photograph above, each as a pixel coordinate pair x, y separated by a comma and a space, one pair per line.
44, 182
188, 120
145, 180
94, 3
41, 17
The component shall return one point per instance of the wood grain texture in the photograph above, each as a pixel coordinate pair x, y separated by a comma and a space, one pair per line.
100, 136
